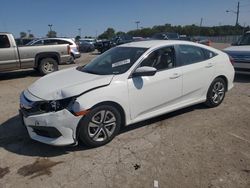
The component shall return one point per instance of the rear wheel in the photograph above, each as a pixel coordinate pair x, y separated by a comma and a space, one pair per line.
47, 65
71, 59
100, 126
216, 93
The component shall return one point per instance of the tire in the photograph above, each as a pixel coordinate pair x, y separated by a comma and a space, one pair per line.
216, 93
47, 65
100, 126
71, 59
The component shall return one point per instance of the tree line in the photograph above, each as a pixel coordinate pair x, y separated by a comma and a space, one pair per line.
189, 30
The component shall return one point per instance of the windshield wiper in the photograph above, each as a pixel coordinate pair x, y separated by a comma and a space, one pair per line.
90, 72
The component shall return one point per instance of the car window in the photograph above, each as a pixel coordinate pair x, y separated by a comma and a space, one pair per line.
191, 54
39, 42
63, 42
161, 59
208, 54
245, 40
50, 42
4, 41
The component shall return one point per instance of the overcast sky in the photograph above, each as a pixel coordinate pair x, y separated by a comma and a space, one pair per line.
96, 15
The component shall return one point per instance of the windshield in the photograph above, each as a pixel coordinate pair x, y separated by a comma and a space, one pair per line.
115, 61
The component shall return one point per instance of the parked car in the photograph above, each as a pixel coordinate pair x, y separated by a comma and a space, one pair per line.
105, 45
42, 58
89, 40
240, 53
184, 37
127, 84
201, 40
74, 52
166, 36
85, 46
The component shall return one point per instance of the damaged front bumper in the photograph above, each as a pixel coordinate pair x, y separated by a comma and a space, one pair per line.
53, 128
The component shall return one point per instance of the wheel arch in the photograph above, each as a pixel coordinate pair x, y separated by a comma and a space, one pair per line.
111, 103
41, 56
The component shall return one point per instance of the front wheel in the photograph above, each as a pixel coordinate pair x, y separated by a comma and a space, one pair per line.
216, 93
47, 65
100, 126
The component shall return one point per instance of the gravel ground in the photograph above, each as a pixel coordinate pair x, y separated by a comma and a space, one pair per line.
193, 147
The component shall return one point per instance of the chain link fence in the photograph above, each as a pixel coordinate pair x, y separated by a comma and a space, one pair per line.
225, 39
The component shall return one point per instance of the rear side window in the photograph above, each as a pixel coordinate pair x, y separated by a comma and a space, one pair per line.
208, 54
50, 42
191, 54
63, 42
4, 41
39, 42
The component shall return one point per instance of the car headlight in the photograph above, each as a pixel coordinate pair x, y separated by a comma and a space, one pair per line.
56, 105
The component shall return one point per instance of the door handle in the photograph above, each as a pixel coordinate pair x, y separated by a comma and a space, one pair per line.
209, 65
175, 75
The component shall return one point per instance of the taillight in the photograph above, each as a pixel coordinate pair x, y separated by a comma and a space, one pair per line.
68, 49
231, 60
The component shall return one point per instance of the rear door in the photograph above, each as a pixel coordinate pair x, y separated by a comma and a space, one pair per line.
197, 69
8, 55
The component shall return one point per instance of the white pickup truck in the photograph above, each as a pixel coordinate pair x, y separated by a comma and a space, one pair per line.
240, 52
45, 59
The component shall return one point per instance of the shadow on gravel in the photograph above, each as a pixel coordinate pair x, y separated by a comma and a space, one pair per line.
14, 137
19, 74
242, 78
162, 117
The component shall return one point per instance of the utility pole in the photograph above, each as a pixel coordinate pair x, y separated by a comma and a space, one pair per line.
137, 24
80, 31
201, 22
200, 25
237, 13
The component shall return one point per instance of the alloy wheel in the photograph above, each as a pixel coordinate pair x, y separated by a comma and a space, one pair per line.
49, 67
218, 92
102, 125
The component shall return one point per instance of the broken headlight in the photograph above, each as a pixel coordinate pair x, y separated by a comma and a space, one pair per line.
55, 105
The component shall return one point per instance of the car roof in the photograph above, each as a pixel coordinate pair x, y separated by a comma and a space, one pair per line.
66, 39
156, 43
153, 44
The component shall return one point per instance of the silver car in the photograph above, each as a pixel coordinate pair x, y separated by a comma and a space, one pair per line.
74, 49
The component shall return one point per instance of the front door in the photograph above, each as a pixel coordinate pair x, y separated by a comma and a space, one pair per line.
8, 56
150, 96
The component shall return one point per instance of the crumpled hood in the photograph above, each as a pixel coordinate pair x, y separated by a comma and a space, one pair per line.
237, 49
67, 83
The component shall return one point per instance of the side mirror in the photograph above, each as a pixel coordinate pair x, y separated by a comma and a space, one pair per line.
144, 71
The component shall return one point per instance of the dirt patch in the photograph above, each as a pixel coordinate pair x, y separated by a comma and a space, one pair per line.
38, 168
4, 171
246, 170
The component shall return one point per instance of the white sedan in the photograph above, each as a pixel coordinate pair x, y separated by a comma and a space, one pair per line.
125, 85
